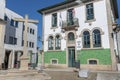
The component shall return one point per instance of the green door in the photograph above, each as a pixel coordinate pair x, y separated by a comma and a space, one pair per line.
71, 57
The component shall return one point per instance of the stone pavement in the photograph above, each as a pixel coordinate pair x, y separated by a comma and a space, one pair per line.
68, 74
23, 75
57, 74
108, 76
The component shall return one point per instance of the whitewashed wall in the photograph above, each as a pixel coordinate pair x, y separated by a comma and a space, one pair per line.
100, 22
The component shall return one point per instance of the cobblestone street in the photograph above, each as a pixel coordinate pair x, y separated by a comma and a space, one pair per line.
23, 75
57, 75
108, 76
69, 75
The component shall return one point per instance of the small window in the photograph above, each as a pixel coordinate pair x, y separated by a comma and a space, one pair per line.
92, 61
32, 44
54, 20
71, 36
30, 30
15, 41
16, 23
50, 43
90, 11
12, 40
5, 18
54, 61
70, 16
86, 39
57, 42
12, 22
96, 38
33, 31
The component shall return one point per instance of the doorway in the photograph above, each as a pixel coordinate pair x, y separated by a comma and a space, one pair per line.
71, 57
6, 60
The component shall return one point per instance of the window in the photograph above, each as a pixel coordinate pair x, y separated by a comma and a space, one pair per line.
57, 42
54, 20
32, 45
54, 61
30, 30
33, 31
5, 18
90, 11
92, 61
15, 41
96, 38
12, 40
86, 39
50, 43
71, 36
12, 22
70, 17
16, 23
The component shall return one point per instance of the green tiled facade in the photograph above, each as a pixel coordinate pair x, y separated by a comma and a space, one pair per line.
103, 55
60, 55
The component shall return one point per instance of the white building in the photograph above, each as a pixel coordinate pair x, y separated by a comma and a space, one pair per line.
13, 40
80, 30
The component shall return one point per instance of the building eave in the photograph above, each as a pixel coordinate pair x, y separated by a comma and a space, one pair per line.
54, 6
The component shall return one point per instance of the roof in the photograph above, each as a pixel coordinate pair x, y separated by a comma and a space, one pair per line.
113, 3
56, 5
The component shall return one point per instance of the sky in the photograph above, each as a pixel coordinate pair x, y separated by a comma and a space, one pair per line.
30, 7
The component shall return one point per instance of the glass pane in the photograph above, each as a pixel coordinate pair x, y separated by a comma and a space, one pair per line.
50, 43
89, 11
70, 17
86, 39
54, 20
57, 42
96, 38
71, 36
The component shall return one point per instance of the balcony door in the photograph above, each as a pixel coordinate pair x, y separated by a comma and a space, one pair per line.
70, 17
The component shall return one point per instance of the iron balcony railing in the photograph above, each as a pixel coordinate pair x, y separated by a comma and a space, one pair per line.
70, 24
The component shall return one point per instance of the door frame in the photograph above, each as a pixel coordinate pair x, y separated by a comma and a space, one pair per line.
69, 53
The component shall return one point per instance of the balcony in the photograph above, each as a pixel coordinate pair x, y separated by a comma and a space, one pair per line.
70, 24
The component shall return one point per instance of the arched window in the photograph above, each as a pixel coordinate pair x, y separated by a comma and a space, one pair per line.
57, 42
86, 39
71, 36
50, 43
96, 38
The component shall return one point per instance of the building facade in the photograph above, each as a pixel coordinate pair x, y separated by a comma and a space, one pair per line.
14, 42
80, 30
